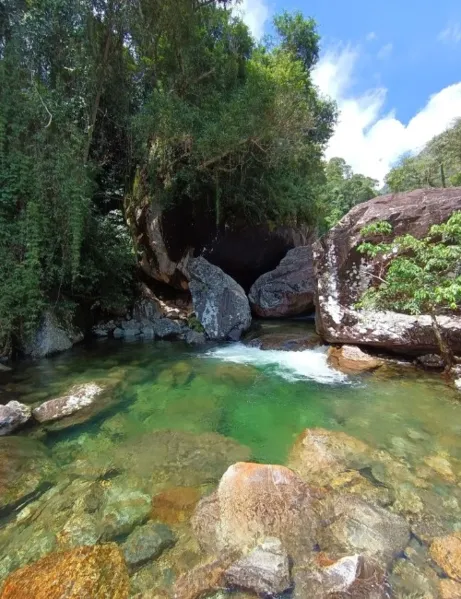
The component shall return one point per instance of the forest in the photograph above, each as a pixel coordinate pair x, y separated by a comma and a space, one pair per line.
107, 104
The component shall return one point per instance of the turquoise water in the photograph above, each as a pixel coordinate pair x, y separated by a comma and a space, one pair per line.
175, 416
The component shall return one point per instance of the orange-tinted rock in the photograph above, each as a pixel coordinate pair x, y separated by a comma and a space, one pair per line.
254, 501
449, 589
350, 359
319, 455
175, 505
446, 552
98, 572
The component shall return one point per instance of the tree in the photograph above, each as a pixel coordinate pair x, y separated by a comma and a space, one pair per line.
423, 276
437, 165
343, 190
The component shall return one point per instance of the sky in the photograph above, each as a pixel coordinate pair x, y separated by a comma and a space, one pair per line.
393, 66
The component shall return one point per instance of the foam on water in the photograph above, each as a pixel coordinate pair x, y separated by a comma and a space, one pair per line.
310, 364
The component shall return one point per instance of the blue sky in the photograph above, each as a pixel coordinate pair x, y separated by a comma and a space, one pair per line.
394, 67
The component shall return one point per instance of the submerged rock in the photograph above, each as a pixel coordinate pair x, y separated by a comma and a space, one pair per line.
446, 553
219, 302
449, 589
255, 501
175, 505
350, 359
288, 290
353, 576
12, 416
79, 397
356, 526
265, 570
147, 542
98, 572
344, 274
123, 508
202, 580
26, 469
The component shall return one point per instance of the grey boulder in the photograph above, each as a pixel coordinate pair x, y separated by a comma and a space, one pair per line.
265, 570
219, 302
51, 338
12, 416
288, 290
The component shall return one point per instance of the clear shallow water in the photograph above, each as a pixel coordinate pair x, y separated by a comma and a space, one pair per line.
179, 417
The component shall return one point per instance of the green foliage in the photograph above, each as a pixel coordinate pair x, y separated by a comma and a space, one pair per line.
237, 127
343, 190
437, 165
418, 275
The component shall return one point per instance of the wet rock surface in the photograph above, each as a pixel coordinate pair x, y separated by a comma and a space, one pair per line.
220, 304
147, 542
288, 290
52, 338
350, 359
98, 572
26, 469
446, 552
254, 501
265, 570
12, 416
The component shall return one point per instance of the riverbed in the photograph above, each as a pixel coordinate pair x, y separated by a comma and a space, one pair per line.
176, 417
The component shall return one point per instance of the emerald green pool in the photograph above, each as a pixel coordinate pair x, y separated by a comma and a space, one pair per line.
166, 399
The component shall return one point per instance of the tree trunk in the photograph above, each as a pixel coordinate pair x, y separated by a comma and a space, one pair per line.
444, 348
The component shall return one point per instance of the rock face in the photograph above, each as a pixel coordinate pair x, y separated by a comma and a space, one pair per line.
51, 338
79, 397
288, 290
255, 501
12, 416
219, 302
350, 359
344, 274
98, 572
265, 570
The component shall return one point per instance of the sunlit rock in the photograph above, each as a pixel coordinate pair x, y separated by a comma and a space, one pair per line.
255, 501
350, 359
12, 416
446, 552
98, 572
78, 397
356, 526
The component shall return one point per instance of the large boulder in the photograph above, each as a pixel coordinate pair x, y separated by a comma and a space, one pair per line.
288, 290
254, 501
219, 302
77, 398
98, 572
344, 274
167, 239
52, 337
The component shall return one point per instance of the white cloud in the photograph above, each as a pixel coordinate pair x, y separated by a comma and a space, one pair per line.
451, 34
255, 13
385, 51
371, 36
369, 139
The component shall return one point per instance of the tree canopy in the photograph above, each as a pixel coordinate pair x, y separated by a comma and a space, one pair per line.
108, 104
